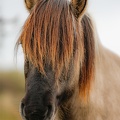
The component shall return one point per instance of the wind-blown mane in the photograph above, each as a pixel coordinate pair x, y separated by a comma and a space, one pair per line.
51, 35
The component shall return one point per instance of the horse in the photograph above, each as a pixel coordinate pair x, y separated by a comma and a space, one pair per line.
69, 74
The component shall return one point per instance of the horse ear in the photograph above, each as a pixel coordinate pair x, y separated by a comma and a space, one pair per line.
30, 4
78, 7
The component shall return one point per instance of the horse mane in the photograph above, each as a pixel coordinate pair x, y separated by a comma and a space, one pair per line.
52, 35
88, 65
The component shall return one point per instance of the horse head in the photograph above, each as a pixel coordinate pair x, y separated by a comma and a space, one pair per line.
54, 45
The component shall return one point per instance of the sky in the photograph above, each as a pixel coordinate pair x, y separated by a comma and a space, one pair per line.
105, 13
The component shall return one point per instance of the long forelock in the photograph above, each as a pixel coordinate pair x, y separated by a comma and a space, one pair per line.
49, 36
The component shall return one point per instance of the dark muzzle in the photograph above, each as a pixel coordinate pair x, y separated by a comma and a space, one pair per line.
41, 111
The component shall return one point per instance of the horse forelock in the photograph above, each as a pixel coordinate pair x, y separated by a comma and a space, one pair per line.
48, 35
51, 35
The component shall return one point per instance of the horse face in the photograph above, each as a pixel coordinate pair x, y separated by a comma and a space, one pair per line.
44, 93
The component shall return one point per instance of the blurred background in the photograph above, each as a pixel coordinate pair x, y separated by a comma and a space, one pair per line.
105, 13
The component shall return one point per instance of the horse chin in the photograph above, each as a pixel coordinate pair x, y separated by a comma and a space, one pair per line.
37, 118
52, 118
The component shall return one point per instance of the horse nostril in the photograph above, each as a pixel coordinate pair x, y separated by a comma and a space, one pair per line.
50, 109
23, 110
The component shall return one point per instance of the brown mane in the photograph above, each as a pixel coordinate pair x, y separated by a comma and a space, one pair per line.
52, 35
88, 65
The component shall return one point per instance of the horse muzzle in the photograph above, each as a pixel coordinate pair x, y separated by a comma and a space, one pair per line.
35, 112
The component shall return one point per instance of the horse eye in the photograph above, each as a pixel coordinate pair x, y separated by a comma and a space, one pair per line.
26, 68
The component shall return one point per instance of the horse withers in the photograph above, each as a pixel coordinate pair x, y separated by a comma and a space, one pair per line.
69, 75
